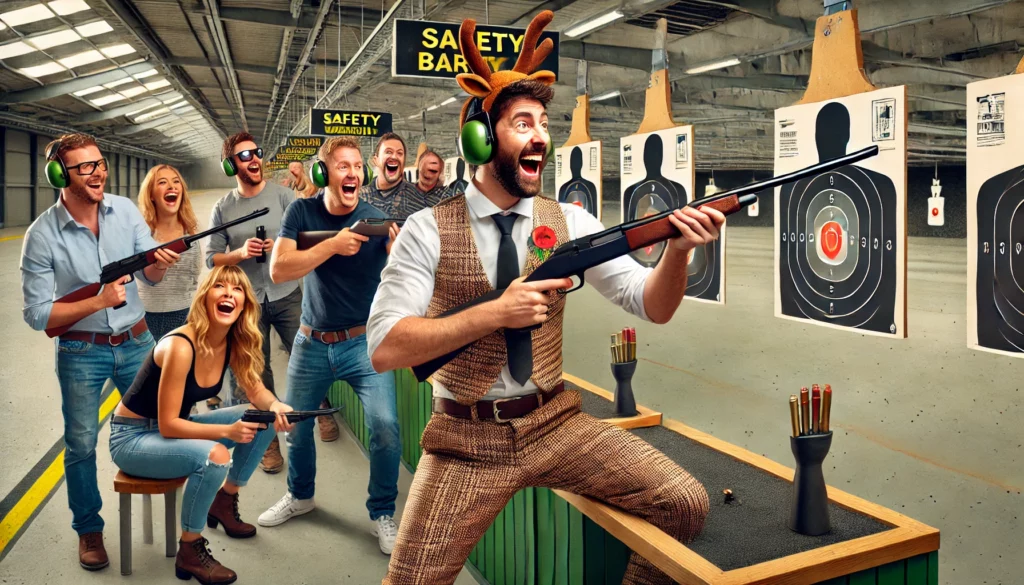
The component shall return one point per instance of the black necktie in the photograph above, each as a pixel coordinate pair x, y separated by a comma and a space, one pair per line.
518, 343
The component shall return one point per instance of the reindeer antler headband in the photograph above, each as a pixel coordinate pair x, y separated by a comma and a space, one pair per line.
483, 83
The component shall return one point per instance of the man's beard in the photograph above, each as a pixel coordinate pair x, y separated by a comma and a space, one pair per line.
81, 192
244, 176
506, 171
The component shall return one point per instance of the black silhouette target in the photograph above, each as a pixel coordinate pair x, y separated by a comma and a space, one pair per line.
655, 194
577, 190
458, 186
838, 240
1000, 258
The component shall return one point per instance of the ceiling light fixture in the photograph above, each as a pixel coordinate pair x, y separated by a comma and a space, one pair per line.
450, 100
114, 84
593, 23
118, 50
89, 90
607, 96
26, 15
79, 59
157, 84
94, 28
66, 7
43, 70
146, 74
713, 66
14, 49
133, 91
54, 39
107, 99
153, 114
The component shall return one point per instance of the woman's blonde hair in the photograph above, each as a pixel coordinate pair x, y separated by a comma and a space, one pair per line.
246, 339
186, 216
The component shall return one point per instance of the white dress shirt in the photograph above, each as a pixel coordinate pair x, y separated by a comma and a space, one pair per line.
407, 282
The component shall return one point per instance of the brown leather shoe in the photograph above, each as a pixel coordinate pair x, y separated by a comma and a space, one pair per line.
272, 460
328, 427
224, 510
195, 560
92, 555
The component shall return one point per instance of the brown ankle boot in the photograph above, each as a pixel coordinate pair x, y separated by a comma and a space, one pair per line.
195, 560
224, 510
91, 553
272, 460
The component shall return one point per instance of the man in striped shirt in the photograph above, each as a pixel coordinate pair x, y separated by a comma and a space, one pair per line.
389, 191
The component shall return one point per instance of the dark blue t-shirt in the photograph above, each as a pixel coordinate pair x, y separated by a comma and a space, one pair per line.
338, 293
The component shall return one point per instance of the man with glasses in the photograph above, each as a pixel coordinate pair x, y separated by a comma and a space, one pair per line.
65, 249
281, 304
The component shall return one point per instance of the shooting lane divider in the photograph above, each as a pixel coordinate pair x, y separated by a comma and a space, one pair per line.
26, 500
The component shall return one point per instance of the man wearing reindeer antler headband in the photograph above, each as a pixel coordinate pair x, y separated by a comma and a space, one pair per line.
496, 430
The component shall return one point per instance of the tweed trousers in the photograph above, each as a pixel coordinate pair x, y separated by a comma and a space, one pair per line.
471, 469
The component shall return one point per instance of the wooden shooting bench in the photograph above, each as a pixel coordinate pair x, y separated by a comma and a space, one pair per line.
550, 537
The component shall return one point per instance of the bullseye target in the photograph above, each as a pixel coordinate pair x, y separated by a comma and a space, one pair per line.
657, 176
995, 208
840, 236
578, 176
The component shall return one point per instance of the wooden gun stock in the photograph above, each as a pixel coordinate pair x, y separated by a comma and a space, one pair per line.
309, 239
662, 229
79, 295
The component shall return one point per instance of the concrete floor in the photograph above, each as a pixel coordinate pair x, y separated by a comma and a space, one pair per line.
924, 426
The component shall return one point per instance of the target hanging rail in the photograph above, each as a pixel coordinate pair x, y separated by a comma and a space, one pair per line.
577, 256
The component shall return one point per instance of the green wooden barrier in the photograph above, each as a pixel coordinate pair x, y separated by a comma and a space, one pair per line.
539, 538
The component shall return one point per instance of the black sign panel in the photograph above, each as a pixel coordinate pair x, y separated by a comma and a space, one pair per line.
431, 49
348, 123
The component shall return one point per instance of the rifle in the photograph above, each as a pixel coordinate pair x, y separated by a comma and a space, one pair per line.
575, 257
266, 417
371, 226
129, 266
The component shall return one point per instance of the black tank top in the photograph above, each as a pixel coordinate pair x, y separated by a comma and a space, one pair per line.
143, 396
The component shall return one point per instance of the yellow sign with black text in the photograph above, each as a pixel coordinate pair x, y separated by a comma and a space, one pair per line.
348, 123
431, 49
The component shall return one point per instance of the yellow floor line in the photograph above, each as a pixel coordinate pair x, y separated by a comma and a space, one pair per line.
8, 238
34, 496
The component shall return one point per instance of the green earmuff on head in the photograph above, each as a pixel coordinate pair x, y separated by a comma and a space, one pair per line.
56, 173
229, 167
476, 137
318, 174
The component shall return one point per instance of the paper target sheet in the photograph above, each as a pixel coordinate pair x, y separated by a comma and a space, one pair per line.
995, 215
840, 237
578, 176
658, 174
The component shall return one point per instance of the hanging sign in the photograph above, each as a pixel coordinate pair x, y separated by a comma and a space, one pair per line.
348, 123
274, 164
431, 49
299, 148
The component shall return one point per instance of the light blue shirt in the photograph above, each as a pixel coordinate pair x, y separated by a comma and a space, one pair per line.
60, 256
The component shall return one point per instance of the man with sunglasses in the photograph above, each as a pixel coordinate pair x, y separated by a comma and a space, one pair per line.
281, 303
65, 249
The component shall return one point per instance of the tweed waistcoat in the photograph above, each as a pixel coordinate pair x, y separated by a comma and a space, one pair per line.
461, 278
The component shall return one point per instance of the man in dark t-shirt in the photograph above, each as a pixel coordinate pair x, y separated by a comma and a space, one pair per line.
340, 275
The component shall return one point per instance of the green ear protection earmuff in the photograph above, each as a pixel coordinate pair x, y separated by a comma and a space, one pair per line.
229, 167
476, 144
56, 172
318, 174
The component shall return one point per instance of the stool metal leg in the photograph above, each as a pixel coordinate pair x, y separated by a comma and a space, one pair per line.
171, 522
147, 519
126, 534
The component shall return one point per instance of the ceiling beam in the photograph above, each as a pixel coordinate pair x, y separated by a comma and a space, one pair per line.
197, 62
60, 88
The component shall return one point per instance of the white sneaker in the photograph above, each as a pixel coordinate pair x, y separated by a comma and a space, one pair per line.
284, 509
386, 532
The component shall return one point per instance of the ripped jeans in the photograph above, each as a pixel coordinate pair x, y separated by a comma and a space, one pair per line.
138, 449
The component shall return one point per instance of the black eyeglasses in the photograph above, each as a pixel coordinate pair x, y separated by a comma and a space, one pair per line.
246, 155
88, 168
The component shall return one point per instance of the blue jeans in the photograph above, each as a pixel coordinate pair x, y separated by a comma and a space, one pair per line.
314, 366
138, 449
82, 370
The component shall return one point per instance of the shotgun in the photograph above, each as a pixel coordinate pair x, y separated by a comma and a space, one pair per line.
577, 256
129, 266
371, 226
267, 417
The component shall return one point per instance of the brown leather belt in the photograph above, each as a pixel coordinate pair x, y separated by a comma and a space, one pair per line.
332, 336
500, 410
104, 339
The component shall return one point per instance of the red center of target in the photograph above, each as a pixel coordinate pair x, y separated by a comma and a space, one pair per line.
831, 239
578, 203
935, 211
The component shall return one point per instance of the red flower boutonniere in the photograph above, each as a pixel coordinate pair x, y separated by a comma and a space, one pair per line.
542, 242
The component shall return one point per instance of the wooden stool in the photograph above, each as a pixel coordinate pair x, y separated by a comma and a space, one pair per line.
126, 485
